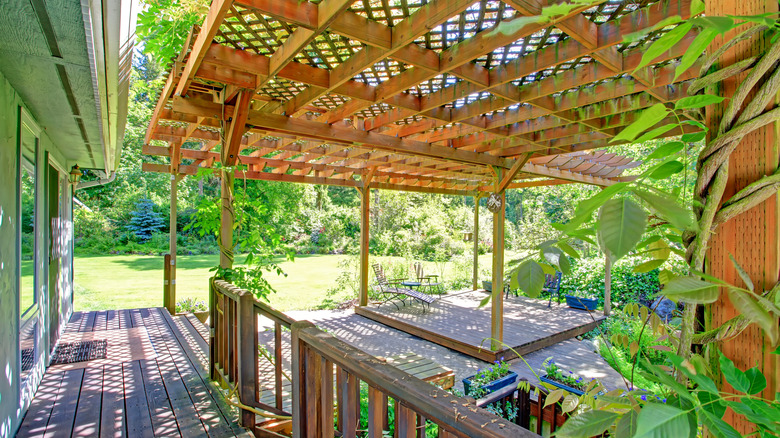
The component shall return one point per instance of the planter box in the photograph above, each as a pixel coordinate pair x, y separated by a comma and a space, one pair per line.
588, 304
561, 385
487, 285
509, 379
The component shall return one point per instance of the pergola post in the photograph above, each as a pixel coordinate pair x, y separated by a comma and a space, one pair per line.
365, 203
226, 216
475, 238
497, 306
170, 298
753, 237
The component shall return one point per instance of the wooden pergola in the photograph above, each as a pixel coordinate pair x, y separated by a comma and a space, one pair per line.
441, 96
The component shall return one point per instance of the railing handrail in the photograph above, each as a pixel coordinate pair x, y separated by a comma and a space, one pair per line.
434, 403
234, 292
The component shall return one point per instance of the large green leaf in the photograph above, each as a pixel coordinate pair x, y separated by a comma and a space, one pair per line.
748, 306
696, 49
734, 375
568, 249
644, 121
666, 150
530, 278
621, 225
756, 379
585, 208
697, 101
655, 133
669, 209
587, 424
627, 424
716, 426
711, 403
657, 420
664, 43
667, 169
648, 266
742, 273
691, 290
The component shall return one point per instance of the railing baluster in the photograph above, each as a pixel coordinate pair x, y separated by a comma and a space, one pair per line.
377, 412
405, 422
278, 365
326, 398
349, 404
212, 330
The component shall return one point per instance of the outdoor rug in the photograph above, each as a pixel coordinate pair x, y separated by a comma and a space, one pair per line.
72, 352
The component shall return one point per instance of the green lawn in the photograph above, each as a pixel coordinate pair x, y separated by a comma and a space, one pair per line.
130, 281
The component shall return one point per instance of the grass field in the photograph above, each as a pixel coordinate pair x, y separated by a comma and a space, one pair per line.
129, 281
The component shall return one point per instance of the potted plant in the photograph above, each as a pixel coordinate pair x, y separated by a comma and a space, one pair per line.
578, 300
490, 380
191, 305
560, 378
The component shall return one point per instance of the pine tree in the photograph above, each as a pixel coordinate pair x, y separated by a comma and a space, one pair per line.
144, 221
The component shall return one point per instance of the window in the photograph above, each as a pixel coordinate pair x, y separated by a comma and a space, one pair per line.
28, 224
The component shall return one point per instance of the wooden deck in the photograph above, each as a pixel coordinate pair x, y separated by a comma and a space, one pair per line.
456, 322
153, 382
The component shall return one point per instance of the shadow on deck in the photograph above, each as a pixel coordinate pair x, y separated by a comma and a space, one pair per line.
153, 382
456, 322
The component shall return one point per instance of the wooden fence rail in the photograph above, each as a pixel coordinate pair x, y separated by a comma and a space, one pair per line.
315, 357
327, 377
234, 348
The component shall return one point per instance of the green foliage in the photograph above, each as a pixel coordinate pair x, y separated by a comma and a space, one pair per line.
554, 372
163, 26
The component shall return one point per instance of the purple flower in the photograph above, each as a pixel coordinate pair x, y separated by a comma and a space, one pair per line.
644, 397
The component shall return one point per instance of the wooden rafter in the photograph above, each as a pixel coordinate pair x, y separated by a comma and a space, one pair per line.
413, 106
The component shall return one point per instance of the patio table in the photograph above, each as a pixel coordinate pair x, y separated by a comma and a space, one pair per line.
411, 284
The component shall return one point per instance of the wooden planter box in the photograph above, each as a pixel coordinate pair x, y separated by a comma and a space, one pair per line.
561, 385
588, 304
509, 379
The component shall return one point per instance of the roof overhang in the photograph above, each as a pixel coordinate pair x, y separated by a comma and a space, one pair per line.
70, 64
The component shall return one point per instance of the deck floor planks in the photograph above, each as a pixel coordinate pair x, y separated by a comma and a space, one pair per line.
163, 420
457, 322
112, 419
64, 411
139, 421
87, 421
166, 395
38, 414
210, 414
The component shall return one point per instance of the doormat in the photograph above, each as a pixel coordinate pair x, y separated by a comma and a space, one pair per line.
71, 352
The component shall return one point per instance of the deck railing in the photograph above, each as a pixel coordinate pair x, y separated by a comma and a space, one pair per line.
528, 402
234, 348
327, 376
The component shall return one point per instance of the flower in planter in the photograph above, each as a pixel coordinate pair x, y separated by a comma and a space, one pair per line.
486, 376
564, 377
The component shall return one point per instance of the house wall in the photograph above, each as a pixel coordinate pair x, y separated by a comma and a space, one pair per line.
15, 395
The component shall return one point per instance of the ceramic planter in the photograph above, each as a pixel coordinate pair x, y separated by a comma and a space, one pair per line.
588, 304
509, 379
561, 385
487, 285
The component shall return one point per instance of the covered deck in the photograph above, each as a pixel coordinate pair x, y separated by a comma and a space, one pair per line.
151, 383
457, 322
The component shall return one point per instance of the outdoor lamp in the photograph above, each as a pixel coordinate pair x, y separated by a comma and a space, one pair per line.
75, 174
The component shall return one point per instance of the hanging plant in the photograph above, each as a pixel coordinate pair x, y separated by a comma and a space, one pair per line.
494, 203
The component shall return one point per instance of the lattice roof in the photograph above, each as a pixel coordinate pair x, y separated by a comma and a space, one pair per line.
445, 96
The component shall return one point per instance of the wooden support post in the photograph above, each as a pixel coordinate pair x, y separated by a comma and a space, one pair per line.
475, 238
167, 282
753, 237
170, 300
247, 357
227, 214
607, 285
365, 197
497, 307
212, 330
299, 372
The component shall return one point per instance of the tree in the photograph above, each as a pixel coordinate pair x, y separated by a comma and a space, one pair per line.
144, 221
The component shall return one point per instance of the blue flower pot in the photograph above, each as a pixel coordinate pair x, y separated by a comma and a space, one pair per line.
487, 285
588, 304
509, 379
561, 385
